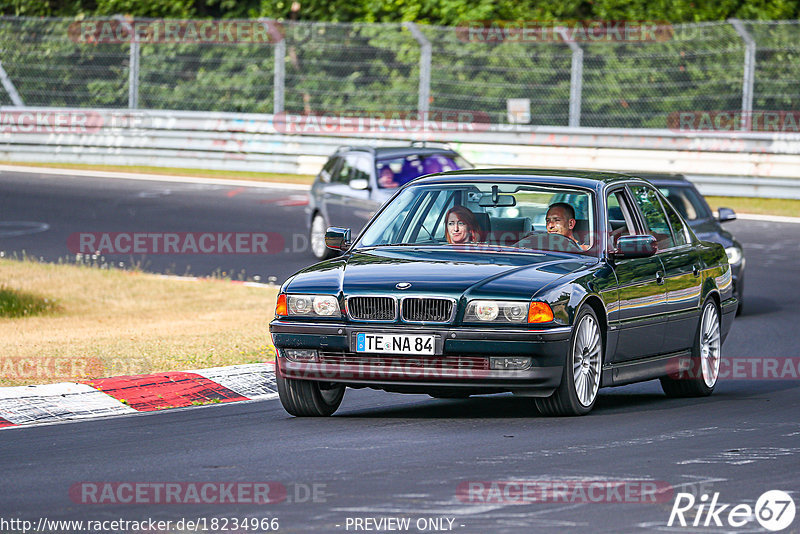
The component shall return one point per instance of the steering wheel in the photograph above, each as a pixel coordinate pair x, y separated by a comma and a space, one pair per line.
548, 241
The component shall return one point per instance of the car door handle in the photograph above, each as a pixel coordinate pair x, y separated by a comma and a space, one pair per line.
660, 278
695, 270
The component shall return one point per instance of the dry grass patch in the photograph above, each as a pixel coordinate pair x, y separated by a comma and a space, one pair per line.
109, 322
169, 171
761, 206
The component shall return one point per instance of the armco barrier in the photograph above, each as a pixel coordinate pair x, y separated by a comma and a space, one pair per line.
738, 164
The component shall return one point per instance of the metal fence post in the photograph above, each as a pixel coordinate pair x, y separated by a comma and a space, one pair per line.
133, 75
279, 67
279, 77
9, 87
133, 63
423, 101
575, 80
749, 72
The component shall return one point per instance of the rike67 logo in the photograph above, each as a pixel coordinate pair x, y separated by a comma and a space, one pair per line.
774, 511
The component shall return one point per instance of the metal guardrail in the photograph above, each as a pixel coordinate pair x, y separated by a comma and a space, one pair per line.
737, 164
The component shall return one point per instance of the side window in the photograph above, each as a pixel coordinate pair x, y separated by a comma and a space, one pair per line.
620, 222
678, 228
327, 171
654, 218
343, 175
361, 170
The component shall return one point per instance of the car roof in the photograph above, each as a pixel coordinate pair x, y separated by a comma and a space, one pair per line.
398, 151
663, 178
588, 179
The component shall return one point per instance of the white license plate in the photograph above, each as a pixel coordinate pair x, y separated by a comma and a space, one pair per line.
395, 343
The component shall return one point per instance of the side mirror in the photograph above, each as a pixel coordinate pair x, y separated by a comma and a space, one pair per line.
337, 238
635, 246
725, 215
359, 184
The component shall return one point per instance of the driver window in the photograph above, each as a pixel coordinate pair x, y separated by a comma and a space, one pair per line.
362, 169
327, 171
346, 170
619, 217
678, 228
654, 216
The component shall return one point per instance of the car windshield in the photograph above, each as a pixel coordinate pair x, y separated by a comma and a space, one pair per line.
396, 171
487, 216
687, 201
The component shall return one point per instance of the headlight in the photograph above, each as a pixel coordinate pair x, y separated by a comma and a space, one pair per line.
734, 255
498, 311
308, 306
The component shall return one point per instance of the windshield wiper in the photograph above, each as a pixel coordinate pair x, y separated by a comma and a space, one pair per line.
399, 245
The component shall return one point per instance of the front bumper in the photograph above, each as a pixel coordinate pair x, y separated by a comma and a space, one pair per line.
463, 361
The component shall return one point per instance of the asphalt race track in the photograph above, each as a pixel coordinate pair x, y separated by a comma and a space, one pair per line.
71, 205
401, 456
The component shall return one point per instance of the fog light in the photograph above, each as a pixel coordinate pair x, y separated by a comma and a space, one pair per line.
514, 363
301, 355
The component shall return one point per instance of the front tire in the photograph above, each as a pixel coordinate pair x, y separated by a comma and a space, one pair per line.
316, 238
307, 398
700, 376
583, 366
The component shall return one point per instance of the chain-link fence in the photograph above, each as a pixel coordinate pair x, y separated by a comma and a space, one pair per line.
337, 68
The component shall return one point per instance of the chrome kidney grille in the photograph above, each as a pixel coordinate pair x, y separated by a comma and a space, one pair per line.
427, 310
372, 308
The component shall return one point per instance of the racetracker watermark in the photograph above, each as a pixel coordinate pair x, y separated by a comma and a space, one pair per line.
734, 121
386, 122
739, 368
118, 31
177, 492
232, 492
50, 122
579, 31
564, 491
67, 368
387, 368
175, 243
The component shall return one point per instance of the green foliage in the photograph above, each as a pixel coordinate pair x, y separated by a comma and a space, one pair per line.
334, 67
15, 303
443, 12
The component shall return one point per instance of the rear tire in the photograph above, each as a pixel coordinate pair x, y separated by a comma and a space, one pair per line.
583, 367
699, 377
316, 238
307, 398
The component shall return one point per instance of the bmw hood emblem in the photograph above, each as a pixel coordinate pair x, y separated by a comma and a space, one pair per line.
403, 285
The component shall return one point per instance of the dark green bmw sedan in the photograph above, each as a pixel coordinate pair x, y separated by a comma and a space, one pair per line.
545, 284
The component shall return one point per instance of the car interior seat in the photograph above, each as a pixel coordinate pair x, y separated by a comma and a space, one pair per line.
483, 222
581, 231
508, 230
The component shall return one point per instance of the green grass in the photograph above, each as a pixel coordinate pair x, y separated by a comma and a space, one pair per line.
14, 303
760, 206
168, 171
